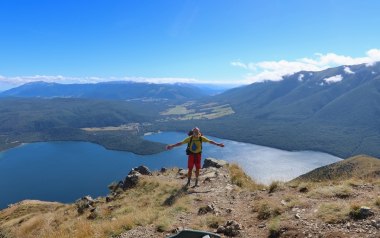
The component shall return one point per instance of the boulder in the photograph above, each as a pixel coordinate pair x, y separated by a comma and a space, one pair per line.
211, 162
131, 180
142, 170
206, 209
361, 213
230, 229
93, 215
365, 212
84, 203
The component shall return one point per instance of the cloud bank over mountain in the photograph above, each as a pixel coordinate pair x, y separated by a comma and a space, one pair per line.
256, 71
275, 70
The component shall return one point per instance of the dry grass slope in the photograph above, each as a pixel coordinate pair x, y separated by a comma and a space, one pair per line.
362, 167
306, 208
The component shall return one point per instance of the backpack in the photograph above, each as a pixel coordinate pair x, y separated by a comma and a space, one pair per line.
188, 151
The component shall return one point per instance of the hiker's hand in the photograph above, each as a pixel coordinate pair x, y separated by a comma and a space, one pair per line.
221, 144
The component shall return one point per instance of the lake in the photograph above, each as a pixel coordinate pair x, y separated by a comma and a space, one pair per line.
66, 171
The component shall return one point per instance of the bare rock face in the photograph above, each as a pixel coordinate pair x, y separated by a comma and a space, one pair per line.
131, 180
362, 213
142, 170
210, 162
365, 212
208, 209
230, 229
84, 203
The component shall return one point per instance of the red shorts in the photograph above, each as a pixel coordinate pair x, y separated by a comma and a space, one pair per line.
194, 159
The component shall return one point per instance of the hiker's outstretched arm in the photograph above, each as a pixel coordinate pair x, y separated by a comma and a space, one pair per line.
169, 147
218, 144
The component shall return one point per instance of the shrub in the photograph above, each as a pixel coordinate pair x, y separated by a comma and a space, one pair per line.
355, 211
239, 178
274, 228
340, 191
266, 210
333, 212
303, 187
377, 201
273, 186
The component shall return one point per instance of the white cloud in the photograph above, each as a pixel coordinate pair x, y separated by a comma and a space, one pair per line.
348, 70
255, 71
239, 64
333, 79
275, 70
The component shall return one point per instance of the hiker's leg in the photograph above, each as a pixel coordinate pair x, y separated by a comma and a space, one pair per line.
196, 177
189, 173
190, 165
197, 167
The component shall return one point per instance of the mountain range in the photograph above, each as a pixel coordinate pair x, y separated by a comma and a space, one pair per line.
348, 95
109, 90
335, 110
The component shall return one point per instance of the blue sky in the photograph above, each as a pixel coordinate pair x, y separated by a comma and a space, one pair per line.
213, 41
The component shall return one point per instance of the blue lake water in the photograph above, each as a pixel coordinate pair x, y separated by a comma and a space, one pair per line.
66, 171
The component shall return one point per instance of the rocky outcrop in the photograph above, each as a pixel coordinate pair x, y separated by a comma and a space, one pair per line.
142, 170
131, 180
362, 213
208, 209
84, 203
211, 162
231, 228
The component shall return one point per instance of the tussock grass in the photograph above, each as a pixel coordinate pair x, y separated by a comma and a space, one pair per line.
210, 221
140, 206
339, 191
333, 212
377, 201
267, 209
28, 227
239, 178
355, 211
275, 186
274, 227
293, 201
304, 187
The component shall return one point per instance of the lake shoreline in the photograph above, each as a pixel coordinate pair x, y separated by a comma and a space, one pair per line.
92, 167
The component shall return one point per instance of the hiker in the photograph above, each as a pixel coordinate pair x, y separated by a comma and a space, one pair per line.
194, 152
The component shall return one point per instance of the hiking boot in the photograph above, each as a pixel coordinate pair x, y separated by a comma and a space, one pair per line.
196, 183
188, 183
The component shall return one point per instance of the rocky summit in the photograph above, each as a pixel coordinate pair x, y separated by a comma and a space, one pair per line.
226, 202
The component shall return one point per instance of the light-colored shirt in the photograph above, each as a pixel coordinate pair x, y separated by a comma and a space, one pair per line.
195, 145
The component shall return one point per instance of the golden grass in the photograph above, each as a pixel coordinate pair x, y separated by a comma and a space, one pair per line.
377, 201
209, 221
275, 186
206, 111
304, 187
333, 212
114, 218
293, 201
267, 209
239, 178
177, 110
274, 227
339, 191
